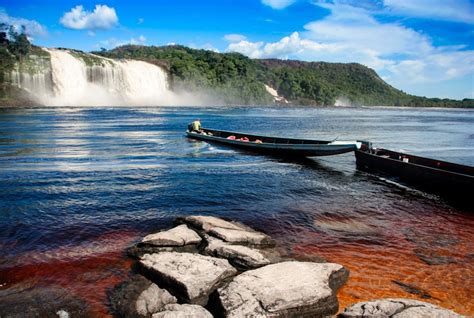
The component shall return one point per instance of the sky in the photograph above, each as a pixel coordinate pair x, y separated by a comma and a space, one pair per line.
424, 47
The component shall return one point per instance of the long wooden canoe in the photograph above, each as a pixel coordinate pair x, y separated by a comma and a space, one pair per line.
290, 147
440, 177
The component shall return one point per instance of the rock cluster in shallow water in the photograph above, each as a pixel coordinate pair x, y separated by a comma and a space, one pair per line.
207, 266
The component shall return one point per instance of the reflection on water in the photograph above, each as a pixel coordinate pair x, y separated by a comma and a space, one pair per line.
78, 185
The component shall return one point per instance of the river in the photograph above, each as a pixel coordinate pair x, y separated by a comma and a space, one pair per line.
79, 185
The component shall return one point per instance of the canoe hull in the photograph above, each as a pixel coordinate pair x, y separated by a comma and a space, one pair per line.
455, 183
292, 149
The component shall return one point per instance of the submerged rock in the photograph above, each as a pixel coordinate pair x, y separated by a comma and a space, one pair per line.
183, 311
349, 226
240, 256
41, 302
191, 277
231, 232
413, 289
429, 239
396, 308
433, 257
284, 289
177, 236
139, 298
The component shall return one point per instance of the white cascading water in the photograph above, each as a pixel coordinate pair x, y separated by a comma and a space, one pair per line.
114, 83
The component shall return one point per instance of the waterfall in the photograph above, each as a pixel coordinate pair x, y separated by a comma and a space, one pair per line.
102, 82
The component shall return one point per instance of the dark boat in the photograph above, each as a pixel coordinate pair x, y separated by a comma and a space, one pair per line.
290, 147
450, 180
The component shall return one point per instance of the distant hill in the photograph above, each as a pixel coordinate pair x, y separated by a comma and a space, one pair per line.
240, 80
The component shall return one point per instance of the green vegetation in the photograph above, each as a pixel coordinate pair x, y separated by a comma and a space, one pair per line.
240, 80
232, 77
89, 59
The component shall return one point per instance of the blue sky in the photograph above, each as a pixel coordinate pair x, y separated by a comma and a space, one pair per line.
424, 47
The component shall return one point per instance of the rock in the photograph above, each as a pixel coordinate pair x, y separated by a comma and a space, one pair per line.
41, 302
153, 299
231, 232
178, 239
428, 239
413, 289
433, 257
190, 277
139, 297
284, 289
178, 236
183, 311
139, 250
240, 236
239, 256
346, 225
397, 308
207, 223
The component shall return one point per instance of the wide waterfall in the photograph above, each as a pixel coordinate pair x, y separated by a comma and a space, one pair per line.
79, 79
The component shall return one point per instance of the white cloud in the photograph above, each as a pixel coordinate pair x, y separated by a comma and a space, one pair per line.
403, 56
278, 4
140, 20
356, 28
251, 49
235, 37
103, 17
32, 28
459, 10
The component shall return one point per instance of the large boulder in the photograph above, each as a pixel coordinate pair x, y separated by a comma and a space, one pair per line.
183, 311
190, 277
242, 257
139, 297
397, 308
284, 289
177, 239
231, 232
177, 236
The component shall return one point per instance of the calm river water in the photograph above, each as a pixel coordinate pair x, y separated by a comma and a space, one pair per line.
79, 185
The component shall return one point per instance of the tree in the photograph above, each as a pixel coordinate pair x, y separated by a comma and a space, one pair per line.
19, 44
3, 34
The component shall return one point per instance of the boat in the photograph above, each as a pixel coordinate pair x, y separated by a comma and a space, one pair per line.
288, 147
447, 179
